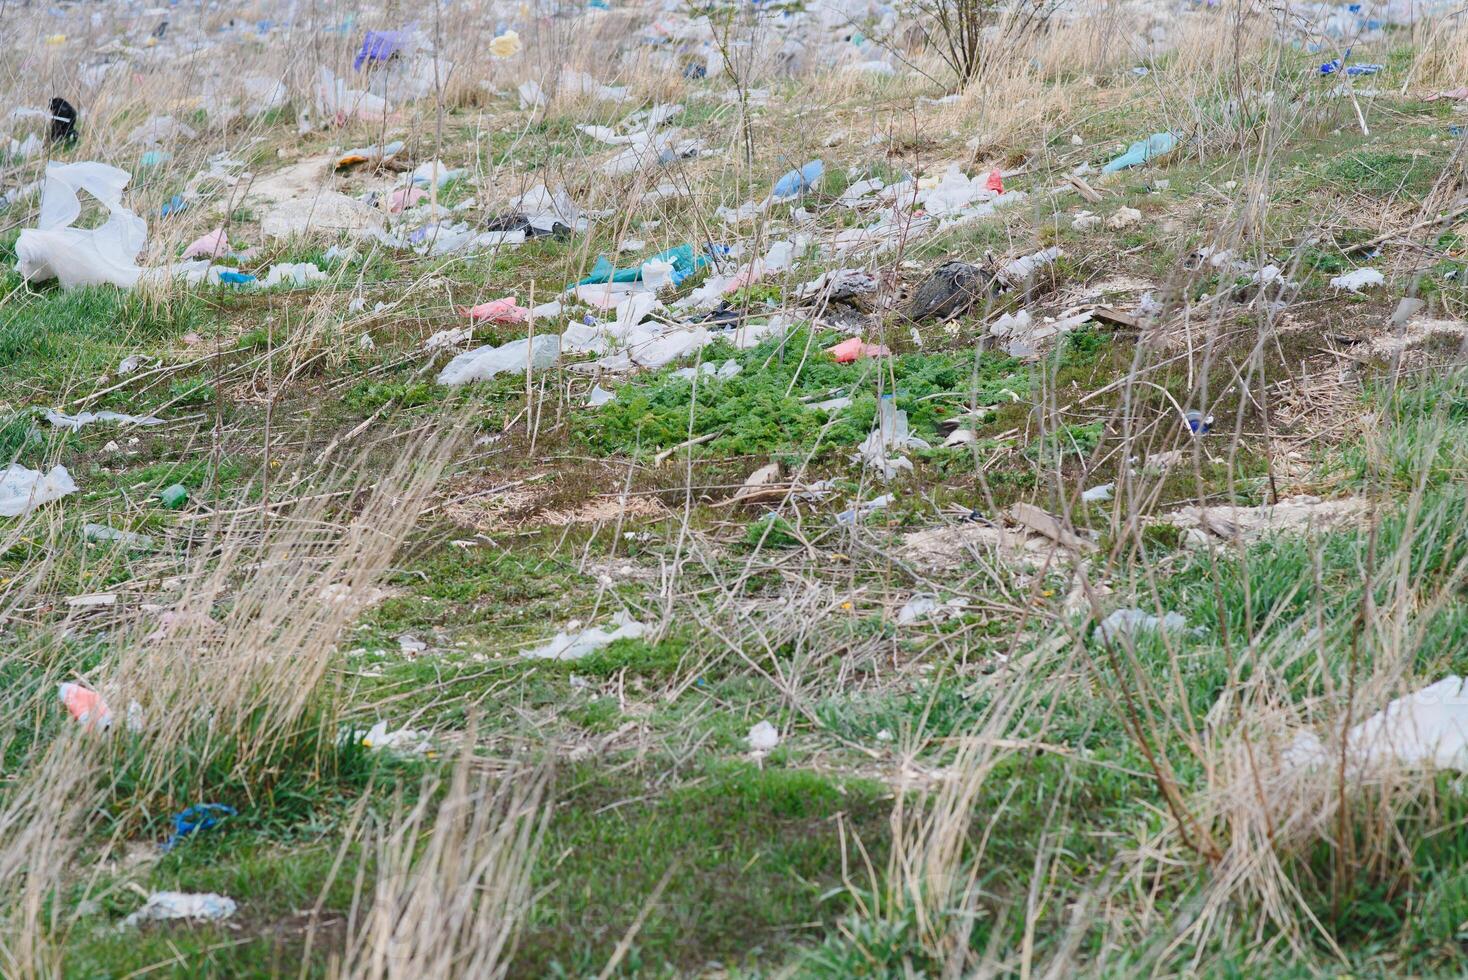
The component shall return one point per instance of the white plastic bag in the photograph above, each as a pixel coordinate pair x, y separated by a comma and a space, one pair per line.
23, 490
483, 363
106, 254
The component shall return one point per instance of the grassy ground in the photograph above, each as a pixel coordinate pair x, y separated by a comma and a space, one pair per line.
995, 789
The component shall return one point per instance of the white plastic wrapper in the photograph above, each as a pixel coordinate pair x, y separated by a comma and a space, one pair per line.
23, 490
105, 255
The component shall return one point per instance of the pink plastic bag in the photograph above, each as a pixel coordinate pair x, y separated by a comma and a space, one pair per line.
85, 705
498, 311
854, 349
210, 246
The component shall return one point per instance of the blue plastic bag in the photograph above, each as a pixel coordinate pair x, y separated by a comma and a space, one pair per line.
200, 816
799, 181
377, 46
1141, 151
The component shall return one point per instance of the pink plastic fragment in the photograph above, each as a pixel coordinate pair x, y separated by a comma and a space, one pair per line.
855, 348
405, 197
498, 311
85, 705
995, 182
210, 246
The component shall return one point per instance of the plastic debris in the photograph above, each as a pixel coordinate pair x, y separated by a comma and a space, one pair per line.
498, 311
918, 607
377, 47
85, 706
683, 259
1358, 279
951, 290
797, 182
506, 45
210, 246
1425, 729
173, 497
1143, 151
573, 646
1097, 494
410, 646
160, 906
82, 419
63, 122
160, 129
855, 349
763, 737
995, 182
599, 396
22, 490
1333, 67
200, 816
105, 255
406, 741
1124, 623
128, 539
292, 274
854, 515
483, 363
890, 437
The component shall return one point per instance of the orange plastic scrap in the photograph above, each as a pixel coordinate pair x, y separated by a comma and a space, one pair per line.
85, 705
498, 311
854, 349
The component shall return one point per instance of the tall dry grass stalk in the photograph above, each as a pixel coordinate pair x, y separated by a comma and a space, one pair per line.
232, 682
451, 876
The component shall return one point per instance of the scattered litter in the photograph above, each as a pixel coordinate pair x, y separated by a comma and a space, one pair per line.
1358, 279
81, 419
797, 182
599, 396
104, 255
405, 741
128, 539
483, 363
1098, 494
855, 515
1123, 218
763, 737
924, 605
1425, 729
22, 490
92, 599
855, 349
890, 437
1125, 623
292, 274
161, 906
1143, 151
498, 311
85, 706
1291, 515
174, 496
574, 646
950, 291
411, 646
200, 816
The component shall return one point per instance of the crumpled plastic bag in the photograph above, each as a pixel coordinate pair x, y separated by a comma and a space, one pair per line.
105, 255
483, 363
23, 490
574, 646
182, 905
